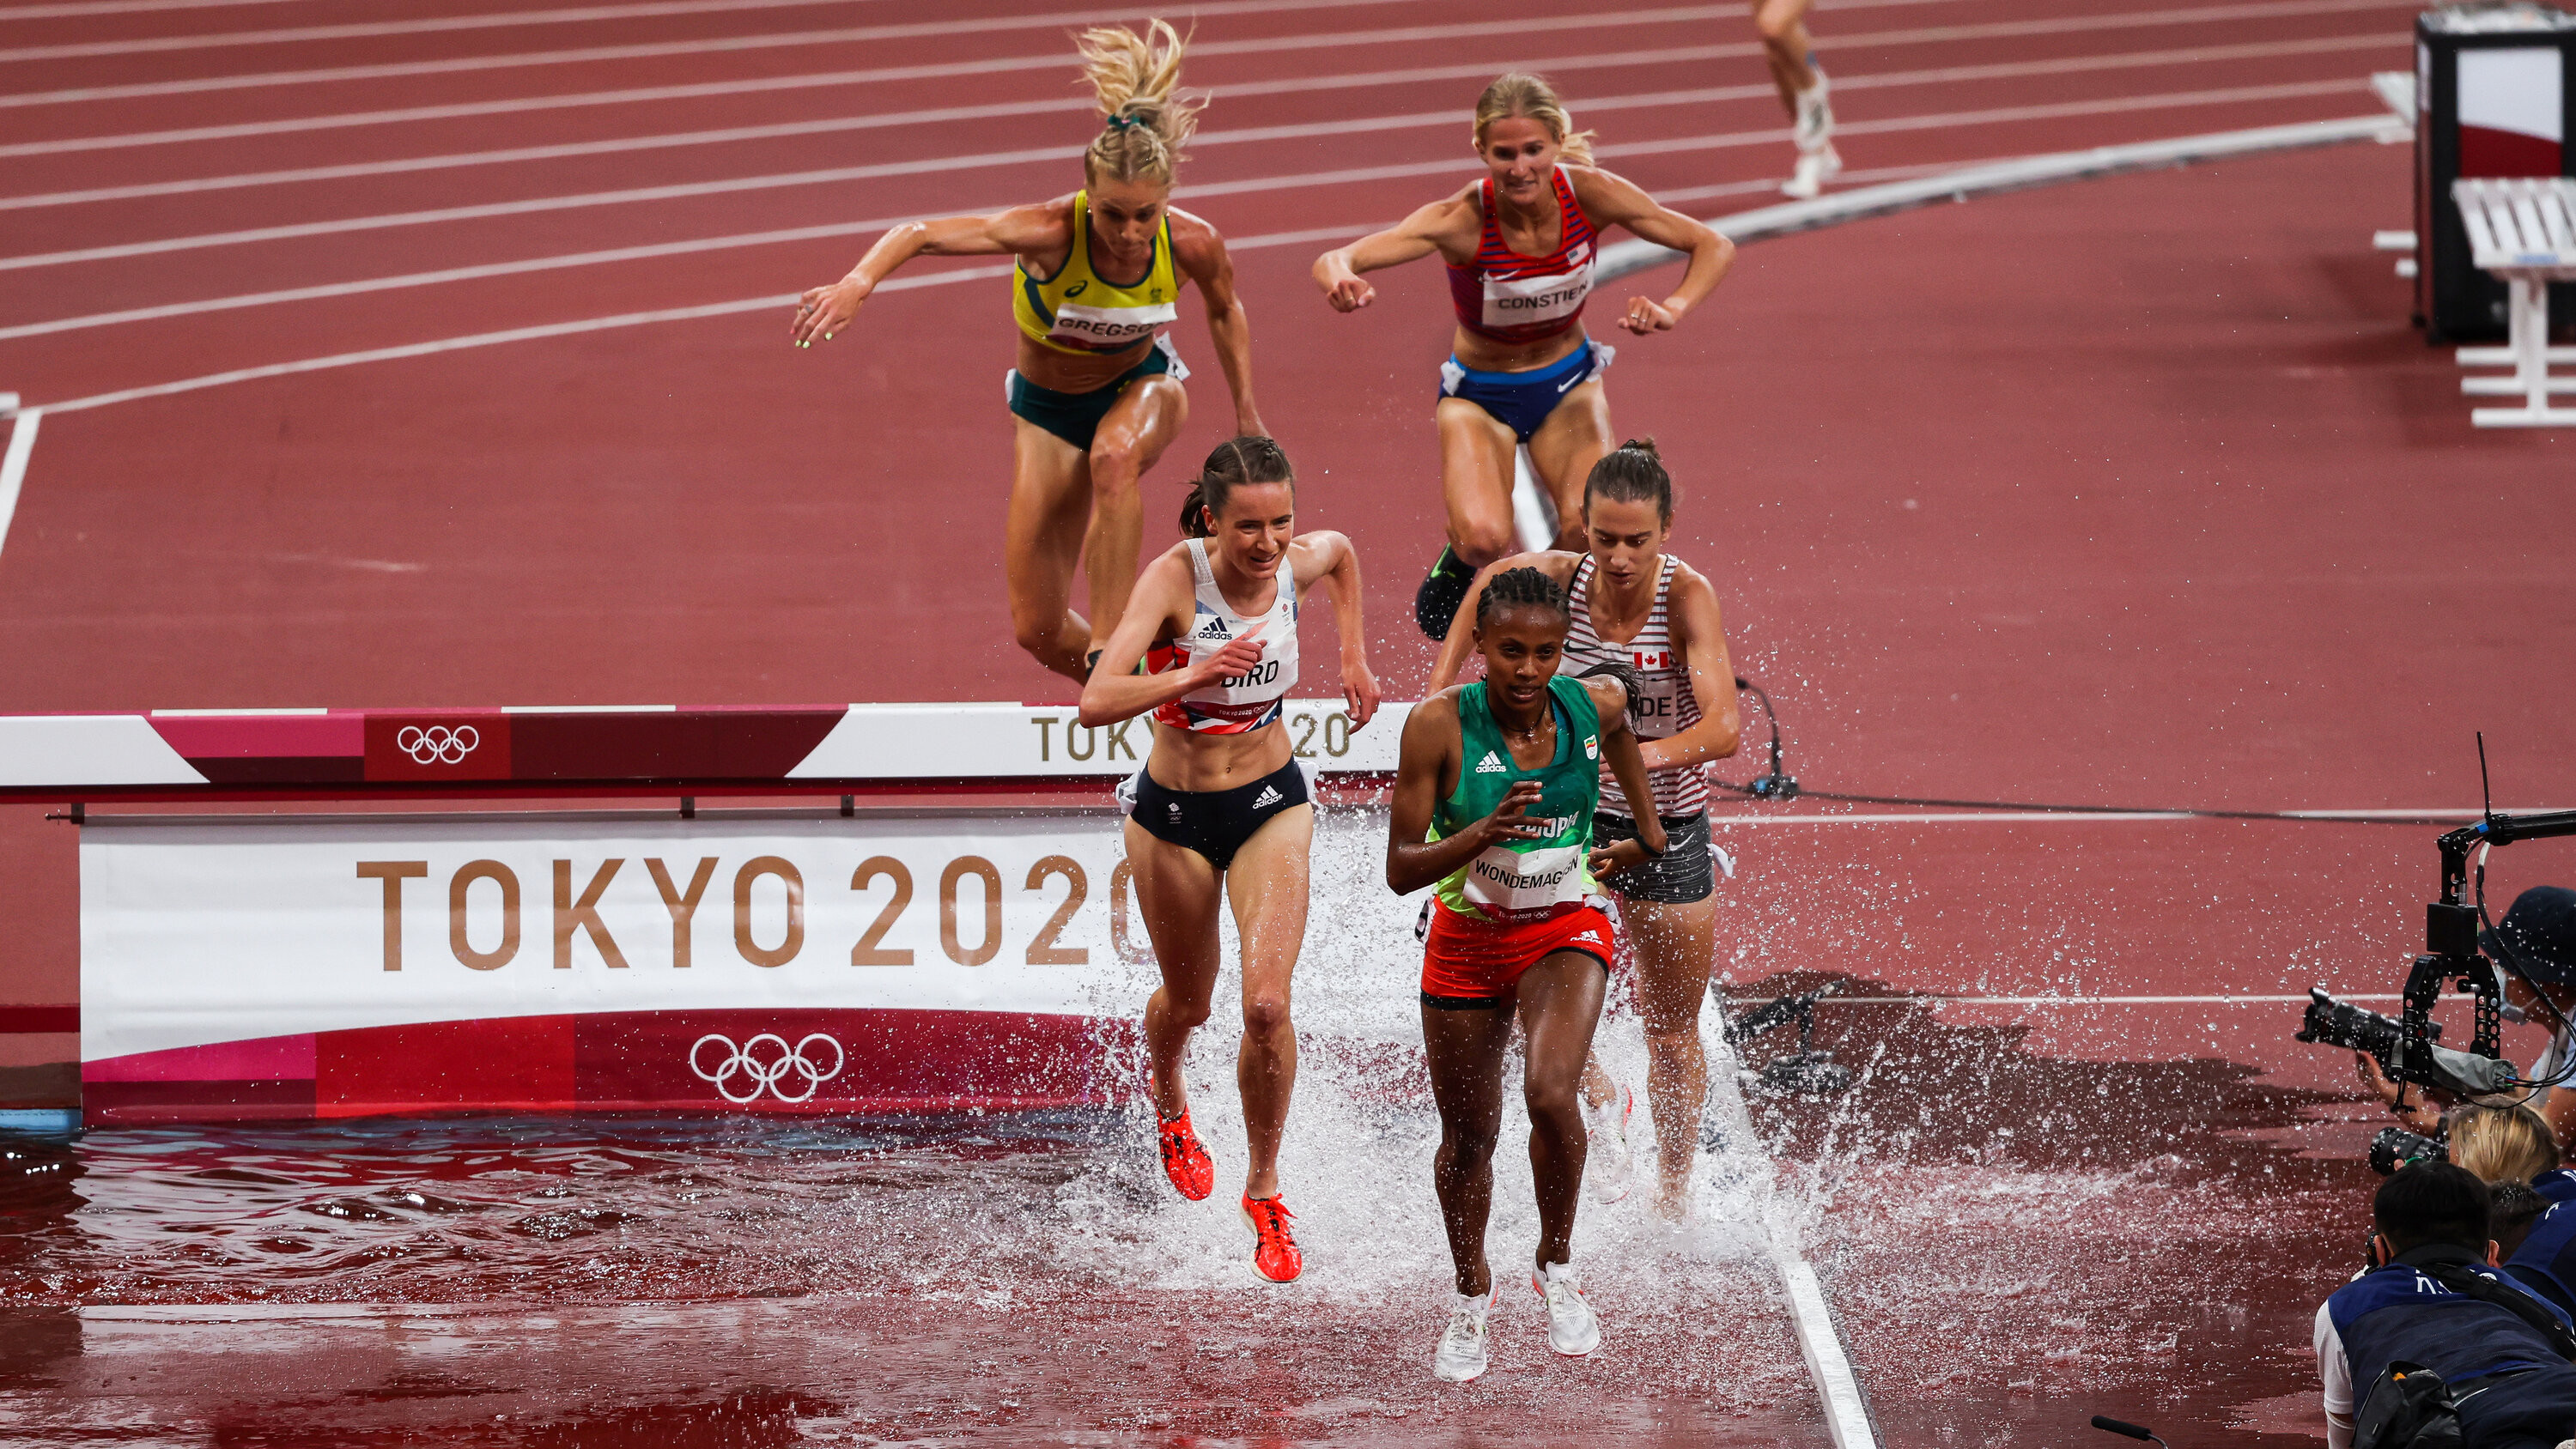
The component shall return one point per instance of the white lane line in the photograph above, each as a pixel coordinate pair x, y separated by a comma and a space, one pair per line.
910, 30
13, 465
1525, 30
944, 164
1935, 999
718, 309
79, 8
2268, 9
2193, 55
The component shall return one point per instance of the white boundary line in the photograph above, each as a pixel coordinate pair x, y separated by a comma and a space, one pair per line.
2071, 65
707, 89
1523, 31
13, 465
945, 164
912, 30
1827, 211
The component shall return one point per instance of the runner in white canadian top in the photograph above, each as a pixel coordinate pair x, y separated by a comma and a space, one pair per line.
1220, 811
1639, 609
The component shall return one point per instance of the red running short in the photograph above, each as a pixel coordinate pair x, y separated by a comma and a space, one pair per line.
1469, 963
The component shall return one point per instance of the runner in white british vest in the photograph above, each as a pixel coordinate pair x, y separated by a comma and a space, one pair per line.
1522, 245
1220, 814
1095, 280
1638, 606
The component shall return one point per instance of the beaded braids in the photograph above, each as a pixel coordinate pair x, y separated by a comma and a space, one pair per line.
1632, 473
1519, 94
1236, 461
1135, 80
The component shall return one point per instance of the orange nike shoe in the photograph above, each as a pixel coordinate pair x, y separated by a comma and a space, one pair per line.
1186, 1162
1274, 1247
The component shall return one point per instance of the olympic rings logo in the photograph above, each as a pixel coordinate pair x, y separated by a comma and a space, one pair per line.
437, 744
746, 1071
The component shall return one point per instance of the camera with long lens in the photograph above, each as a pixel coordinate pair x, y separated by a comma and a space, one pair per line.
2355, 1028
2395, 1147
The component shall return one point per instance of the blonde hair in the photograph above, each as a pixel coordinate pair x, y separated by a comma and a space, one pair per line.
2503, 1144
1518, 94
1135, 80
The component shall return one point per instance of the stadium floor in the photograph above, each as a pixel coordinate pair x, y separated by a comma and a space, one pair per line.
2135, 492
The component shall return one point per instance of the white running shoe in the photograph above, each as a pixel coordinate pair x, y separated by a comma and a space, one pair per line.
1462, 1344
1573, 1329
1608, 1163
1815, 168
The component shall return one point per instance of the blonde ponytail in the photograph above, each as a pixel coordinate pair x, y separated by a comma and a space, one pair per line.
1517, 94
1136, 80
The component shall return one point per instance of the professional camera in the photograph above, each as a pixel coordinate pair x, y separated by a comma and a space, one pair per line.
2404, 1046
2354, 1028
2395, 1147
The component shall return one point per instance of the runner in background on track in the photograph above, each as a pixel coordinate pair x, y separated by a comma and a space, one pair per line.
1791, 54
1636, 605
1220, 809
1521, 246
1097, 394
1494, 797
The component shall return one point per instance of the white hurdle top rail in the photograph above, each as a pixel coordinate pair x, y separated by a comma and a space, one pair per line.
2523, 231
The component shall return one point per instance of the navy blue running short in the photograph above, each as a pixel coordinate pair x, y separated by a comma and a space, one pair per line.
1521, 401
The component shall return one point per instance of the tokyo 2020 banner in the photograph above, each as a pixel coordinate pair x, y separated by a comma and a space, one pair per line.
342, 967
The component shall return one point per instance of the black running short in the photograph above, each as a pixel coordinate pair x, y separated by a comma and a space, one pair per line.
1216, 823
1682, 875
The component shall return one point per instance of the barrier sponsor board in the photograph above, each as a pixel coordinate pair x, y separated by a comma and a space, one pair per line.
338, 966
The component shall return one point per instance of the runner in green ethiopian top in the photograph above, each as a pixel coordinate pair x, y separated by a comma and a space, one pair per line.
1513, 880
1493, 803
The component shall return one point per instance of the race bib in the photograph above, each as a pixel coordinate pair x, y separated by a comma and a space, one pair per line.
1504, 881
1107, 329
1530, 301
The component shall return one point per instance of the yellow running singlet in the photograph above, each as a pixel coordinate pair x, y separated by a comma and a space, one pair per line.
1075, 311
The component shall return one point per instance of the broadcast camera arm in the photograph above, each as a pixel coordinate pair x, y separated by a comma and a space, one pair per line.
2451, 946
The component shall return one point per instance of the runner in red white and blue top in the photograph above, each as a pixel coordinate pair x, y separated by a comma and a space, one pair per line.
1522, 246
1220, 809
1638, 607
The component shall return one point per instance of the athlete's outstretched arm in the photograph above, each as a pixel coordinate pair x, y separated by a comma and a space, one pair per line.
1702, 637
1115, 691
1329, 556
1460, 641
1618, 201
1410, 240
1020, 231
1428, 762
1619, 752
1200, 253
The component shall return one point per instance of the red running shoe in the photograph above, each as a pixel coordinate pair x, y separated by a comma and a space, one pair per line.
1185, 1162
1274, 1248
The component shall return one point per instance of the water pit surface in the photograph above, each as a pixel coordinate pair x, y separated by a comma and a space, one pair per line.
2012, 1243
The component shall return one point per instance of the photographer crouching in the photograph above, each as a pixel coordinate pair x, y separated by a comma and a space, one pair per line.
2433, 1333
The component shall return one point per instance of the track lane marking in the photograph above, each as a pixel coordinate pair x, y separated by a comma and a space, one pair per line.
908, 30
2192, 55
688, 190
1516, 29
13, 464
718, 309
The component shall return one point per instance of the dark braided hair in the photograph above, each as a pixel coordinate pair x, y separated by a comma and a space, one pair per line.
1522, 588
1236, 461
1632, 473
1628, 678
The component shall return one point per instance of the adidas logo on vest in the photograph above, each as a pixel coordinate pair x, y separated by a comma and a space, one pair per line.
1492, 765
1269, 796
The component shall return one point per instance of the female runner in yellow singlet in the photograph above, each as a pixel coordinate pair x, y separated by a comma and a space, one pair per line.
1097, 393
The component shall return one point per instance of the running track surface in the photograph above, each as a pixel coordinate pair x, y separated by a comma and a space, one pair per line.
2137, 492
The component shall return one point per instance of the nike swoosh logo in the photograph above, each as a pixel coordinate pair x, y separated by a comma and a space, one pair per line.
1567, 386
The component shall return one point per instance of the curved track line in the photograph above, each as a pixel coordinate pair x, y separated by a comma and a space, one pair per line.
943, 164
1466, 30
910, 30
2196, 55
1828, 211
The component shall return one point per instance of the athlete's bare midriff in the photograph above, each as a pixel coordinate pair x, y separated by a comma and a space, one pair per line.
1478, 353
1076, 371
1198, 761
